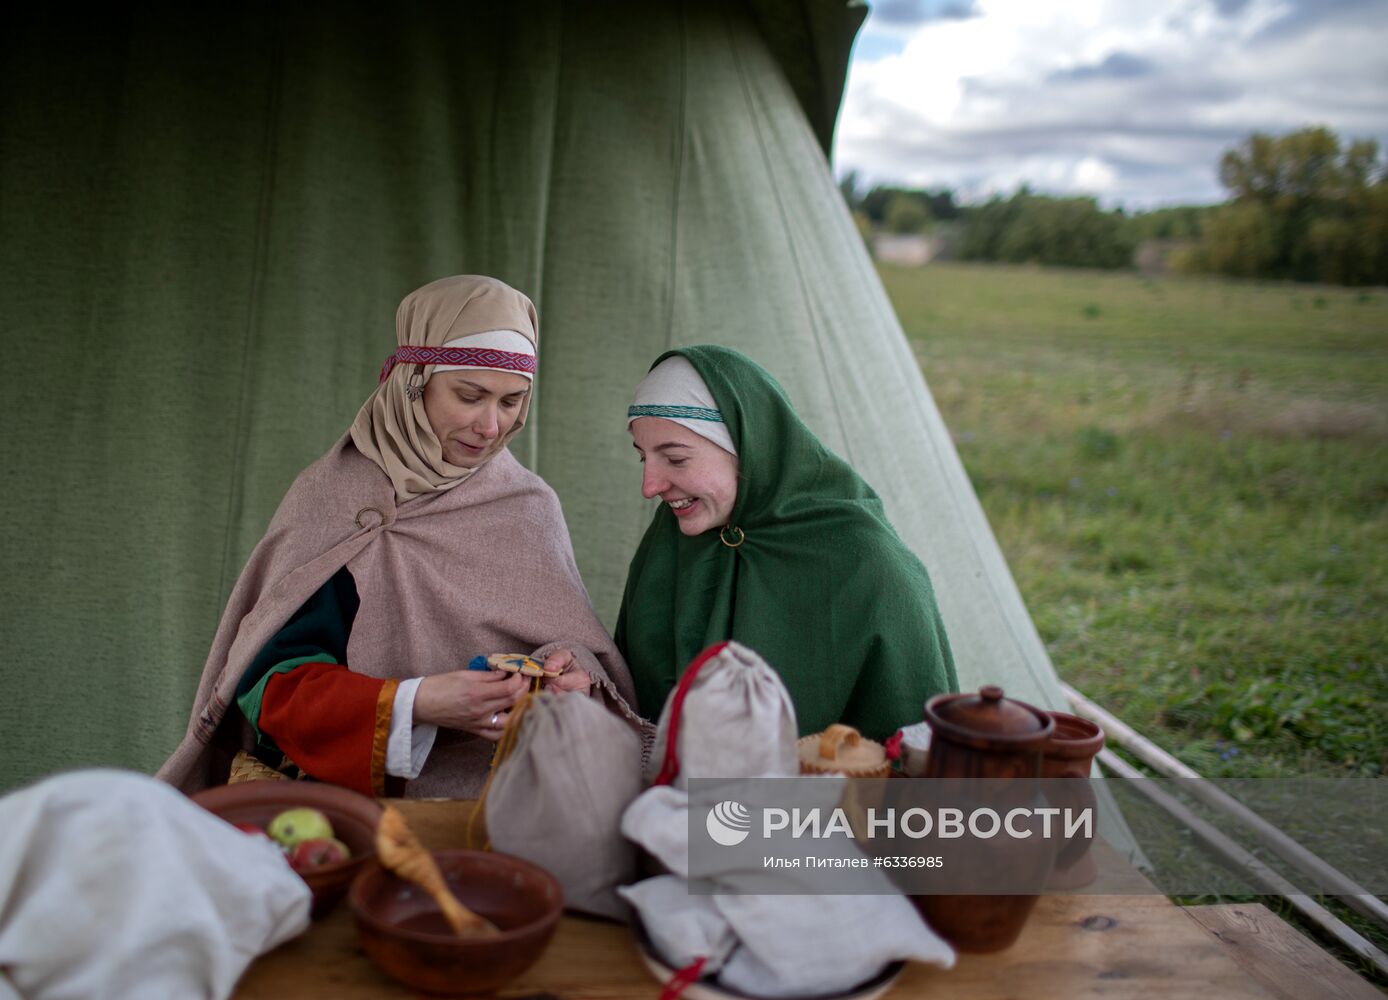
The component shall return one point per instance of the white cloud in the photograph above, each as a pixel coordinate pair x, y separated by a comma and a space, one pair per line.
1131, 102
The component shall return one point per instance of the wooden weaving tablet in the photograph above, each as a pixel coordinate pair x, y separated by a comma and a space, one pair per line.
519, 663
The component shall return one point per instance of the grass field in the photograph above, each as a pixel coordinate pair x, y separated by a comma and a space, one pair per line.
1189, 478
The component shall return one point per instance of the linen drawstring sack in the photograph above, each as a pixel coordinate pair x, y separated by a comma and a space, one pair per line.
558, 796
730, 717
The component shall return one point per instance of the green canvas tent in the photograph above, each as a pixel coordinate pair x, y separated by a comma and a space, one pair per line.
208, 217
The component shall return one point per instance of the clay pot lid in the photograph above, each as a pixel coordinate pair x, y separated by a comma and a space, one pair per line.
988, 718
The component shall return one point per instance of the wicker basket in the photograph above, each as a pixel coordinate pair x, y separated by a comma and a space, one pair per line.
244, 767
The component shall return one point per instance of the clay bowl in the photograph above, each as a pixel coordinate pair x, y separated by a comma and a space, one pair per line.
354, 818
404, 933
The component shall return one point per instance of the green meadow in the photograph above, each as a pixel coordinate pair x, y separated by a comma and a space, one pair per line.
1189, 479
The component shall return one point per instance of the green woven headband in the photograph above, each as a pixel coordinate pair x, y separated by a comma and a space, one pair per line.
675, 412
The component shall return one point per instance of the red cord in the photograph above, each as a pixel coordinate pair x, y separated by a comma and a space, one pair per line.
893, 745
670, 767
683, 979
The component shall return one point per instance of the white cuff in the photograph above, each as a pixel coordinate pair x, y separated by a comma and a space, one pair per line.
408, 746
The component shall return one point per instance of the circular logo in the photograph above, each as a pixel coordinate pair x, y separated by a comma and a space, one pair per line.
728, 823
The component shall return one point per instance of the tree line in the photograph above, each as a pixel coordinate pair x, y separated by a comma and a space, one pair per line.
1303, 206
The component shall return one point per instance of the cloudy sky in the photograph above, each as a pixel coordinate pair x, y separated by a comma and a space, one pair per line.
1132, 101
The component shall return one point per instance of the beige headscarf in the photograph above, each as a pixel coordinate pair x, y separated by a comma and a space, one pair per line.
391, 429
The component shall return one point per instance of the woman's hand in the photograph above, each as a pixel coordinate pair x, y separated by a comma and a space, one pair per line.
475, 701
571, 677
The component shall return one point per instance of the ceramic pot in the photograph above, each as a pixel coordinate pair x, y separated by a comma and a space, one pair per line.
1070, 753
989, 736
985, 735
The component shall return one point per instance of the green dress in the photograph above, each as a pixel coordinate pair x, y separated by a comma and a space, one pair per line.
821, 586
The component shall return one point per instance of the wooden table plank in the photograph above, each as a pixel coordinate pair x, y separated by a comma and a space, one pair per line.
1272, 951
1115, 946
1095, 946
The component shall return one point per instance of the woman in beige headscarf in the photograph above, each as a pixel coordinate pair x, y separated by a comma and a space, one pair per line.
414, 546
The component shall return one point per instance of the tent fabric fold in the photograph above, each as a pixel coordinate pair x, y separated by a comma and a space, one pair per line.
209, 217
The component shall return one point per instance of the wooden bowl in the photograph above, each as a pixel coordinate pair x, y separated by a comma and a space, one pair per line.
404, 933
354, 818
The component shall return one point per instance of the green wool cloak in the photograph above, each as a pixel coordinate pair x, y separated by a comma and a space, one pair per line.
821, 586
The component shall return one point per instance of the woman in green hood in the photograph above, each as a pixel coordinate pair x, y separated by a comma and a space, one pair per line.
765, 536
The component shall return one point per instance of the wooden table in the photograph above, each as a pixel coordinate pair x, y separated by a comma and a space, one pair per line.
1120, 946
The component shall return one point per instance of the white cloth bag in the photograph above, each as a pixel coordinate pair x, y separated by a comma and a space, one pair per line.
115, 885
734, 720
558, 799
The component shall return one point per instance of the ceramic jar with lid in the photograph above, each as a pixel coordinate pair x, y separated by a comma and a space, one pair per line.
985, 735
999, 742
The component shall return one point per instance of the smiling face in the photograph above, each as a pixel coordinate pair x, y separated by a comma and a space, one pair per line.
694, 477
470, 410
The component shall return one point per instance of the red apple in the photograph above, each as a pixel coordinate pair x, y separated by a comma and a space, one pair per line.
252, 830
319, 851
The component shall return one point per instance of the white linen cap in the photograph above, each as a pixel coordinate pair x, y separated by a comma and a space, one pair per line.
673, 390
495, 350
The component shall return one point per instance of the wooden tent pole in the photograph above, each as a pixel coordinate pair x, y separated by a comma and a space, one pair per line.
1336, 882
1238, 858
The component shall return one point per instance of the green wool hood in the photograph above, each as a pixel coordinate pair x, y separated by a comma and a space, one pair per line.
821, 586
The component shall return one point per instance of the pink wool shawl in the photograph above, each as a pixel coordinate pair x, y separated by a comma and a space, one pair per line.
484, 568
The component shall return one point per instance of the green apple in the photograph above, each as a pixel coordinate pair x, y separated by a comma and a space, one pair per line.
295, 825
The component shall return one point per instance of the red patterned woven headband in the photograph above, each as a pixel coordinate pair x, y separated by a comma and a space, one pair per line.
476, 357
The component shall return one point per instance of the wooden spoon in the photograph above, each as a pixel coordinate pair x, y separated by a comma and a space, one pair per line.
400, 851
